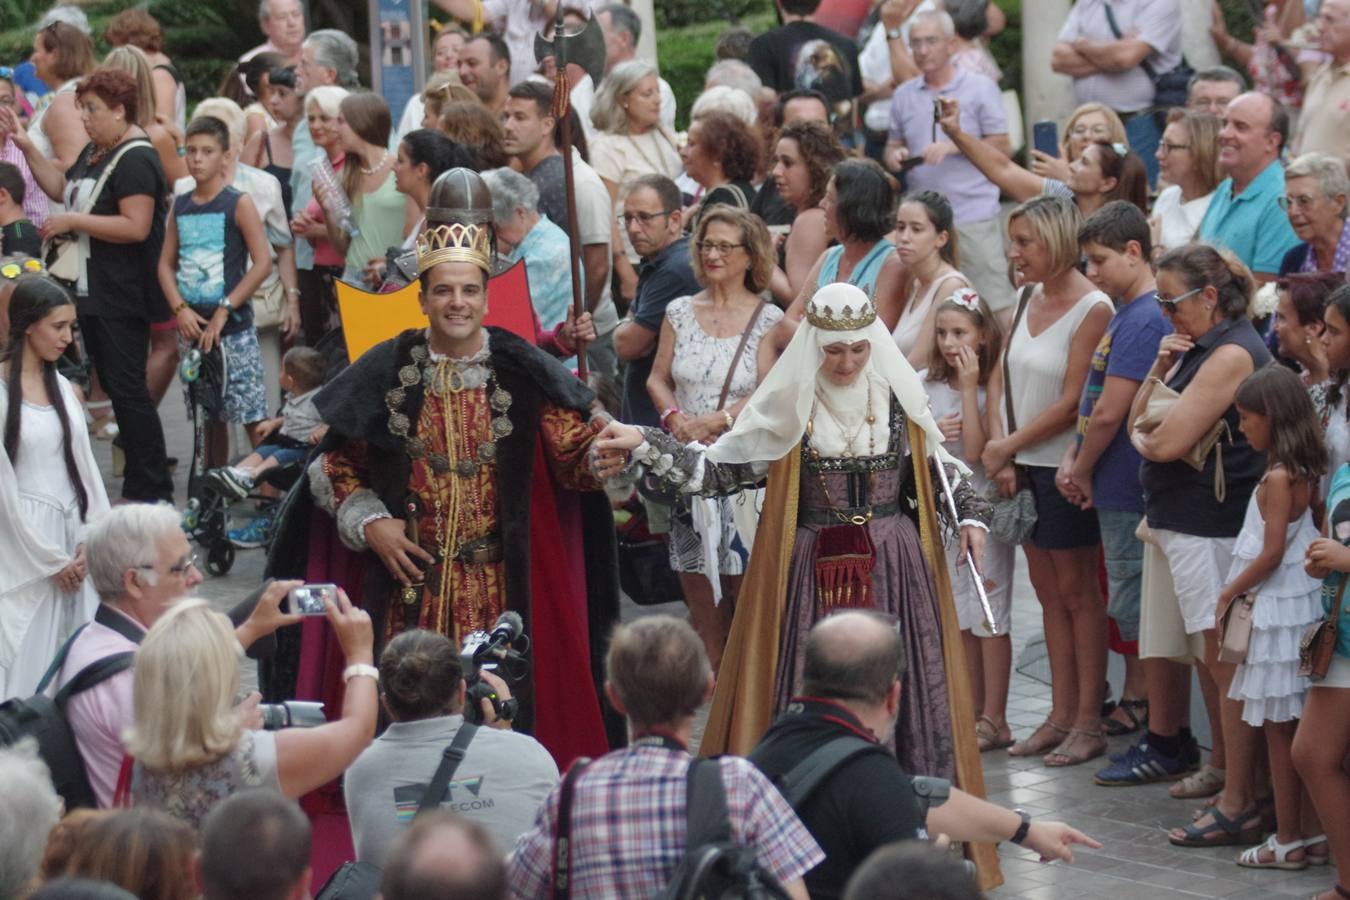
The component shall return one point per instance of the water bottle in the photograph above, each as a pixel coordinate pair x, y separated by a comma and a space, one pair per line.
331, 196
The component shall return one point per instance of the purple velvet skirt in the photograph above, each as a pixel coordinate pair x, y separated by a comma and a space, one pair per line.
902, 587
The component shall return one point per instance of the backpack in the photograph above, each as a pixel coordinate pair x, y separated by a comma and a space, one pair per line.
714, 866
44, 719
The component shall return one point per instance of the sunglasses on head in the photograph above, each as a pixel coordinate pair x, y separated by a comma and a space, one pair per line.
12, 270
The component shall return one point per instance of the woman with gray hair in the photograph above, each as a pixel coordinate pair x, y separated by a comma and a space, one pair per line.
30, 811
630, 141
1315, 199
525, 233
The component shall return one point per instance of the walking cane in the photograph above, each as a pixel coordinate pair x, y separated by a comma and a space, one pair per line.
970, 559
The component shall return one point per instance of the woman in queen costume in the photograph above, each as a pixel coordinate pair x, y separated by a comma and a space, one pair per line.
835, 532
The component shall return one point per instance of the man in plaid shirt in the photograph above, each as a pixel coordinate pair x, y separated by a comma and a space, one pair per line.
628, 810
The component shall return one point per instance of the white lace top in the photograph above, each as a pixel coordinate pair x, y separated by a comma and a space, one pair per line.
700, 362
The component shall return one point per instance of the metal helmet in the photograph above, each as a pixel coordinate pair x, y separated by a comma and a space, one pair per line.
461, 196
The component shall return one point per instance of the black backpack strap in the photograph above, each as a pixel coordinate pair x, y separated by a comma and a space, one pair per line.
119, 623
819, 764
96, 672
451, 757
59, 661
562, 838
706, 813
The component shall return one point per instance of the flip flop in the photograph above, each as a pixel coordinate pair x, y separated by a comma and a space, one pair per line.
986, 734
1031, 746
1226, 832
1071, 758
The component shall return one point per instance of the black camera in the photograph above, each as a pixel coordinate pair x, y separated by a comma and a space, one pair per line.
292, 714
502, 652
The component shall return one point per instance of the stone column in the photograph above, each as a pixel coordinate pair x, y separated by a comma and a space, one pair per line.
646, 48
1045, 95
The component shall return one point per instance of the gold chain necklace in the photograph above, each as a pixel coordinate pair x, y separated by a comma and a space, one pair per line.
868, 421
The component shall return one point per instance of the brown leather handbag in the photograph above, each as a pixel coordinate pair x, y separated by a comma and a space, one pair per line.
1318, 644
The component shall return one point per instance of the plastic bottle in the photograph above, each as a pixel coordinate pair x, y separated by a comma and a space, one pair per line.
331, 196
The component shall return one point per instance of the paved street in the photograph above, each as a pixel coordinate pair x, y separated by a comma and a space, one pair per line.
1137, 861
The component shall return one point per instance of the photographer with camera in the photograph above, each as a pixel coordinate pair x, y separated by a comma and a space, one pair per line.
140, 564
190, 745
503, 776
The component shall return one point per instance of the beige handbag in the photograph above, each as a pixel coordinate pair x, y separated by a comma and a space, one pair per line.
1158, 402
269, 305
1235, 629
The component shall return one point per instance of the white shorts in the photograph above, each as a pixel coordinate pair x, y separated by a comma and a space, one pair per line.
1199, 567
1338, 675
998, 576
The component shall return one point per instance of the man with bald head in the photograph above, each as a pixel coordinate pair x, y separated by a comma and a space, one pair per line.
443, 855
851, 688
1246, 215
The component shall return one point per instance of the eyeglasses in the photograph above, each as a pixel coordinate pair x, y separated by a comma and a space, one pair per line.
1169, 147
12, 270
180, 570
717, 247
1097, 131
1303, 201
1169, 304
643, 219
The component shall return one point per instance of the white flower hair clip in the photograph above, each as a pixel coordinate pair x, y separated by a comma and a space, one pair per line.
965, 298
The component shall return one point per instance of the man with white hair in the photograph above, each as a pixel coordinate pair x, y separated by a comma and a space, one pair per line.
141, 564
327, 56
913, 127
30, 810
282, 22
623, 29
1324, 124
524, 233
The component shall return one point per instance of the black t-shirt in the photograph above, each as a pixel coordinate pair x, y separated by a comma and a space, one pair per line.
121, 280
777, 59
548, 177
770, 206
866, 803
663, 277
20, 237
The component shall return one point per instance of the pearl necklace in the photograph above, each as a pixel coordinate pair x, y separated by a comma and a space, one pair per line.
378, 166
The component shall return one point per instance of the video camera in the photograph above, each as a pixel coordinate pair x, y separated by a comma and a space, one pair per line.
501, 651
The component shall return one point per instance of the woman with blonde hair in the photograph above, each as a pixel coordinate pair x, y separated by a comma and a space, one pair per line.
1059, 319
630, 141
1188, 160
442, 88
190, 747
132, 60
1086, 124
703, 374
62, 55
318, 296
137, 28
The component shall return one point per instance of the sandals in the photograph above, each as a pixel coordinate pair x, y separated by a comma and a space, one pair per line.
1223, 831
1046, 737
1251, 857
1317, 859
986, 734
1205, 782
1062, 756
1135, 710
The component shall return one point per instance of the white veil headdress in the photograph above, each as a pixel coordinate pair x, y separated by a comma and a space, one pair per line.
774, 419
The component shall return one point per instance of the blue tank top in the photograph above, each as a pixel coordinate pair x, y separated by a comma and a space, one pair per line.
864, 274
212, 256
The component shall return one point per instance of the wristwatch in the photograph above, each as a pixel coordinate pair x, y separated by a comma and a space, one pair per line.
359, 670
894, 34
225, 302
1020, 834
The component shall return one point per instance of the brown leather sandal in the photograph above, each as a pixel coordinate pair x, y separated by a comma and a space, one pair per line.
1046, 737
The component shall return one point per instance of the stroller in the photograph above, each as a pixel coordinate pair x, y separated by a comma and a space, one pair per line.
206, 516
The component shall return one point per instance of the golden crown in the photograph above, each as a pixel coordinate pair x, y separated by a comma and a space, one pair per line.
455, 242
826, 317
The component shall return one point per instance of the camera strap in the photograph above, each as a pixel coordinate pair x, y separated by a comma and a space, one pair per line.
451, 757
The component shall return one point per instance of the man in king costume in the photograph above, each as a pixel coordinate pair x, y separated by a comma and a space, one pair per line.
457, 464
838, 452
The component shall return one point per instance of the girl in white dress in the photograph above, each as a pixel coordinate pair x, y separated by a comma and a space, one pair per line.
964, 353
49, 489
1277, 416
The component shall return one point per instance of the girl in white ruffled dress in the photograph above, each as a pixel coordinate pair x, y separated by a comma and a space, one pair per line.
1277, 416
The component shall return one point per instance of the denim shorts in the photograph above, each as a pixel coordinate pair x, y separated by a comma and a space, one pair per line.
1059, 524
1124, 568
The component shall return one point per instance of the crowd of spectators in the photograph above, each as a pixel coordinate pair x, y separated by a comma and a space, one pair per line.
1131, 355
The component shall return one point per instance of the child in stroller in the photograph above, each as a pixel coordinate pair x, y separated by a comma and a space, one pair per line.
286, 441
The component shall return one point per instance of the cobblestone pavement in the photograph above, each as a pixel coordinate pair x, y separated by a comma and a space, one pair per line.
1137, 862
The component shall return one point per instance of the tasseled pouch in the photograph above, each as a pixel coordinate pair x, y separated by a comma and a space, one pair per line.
845, 556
